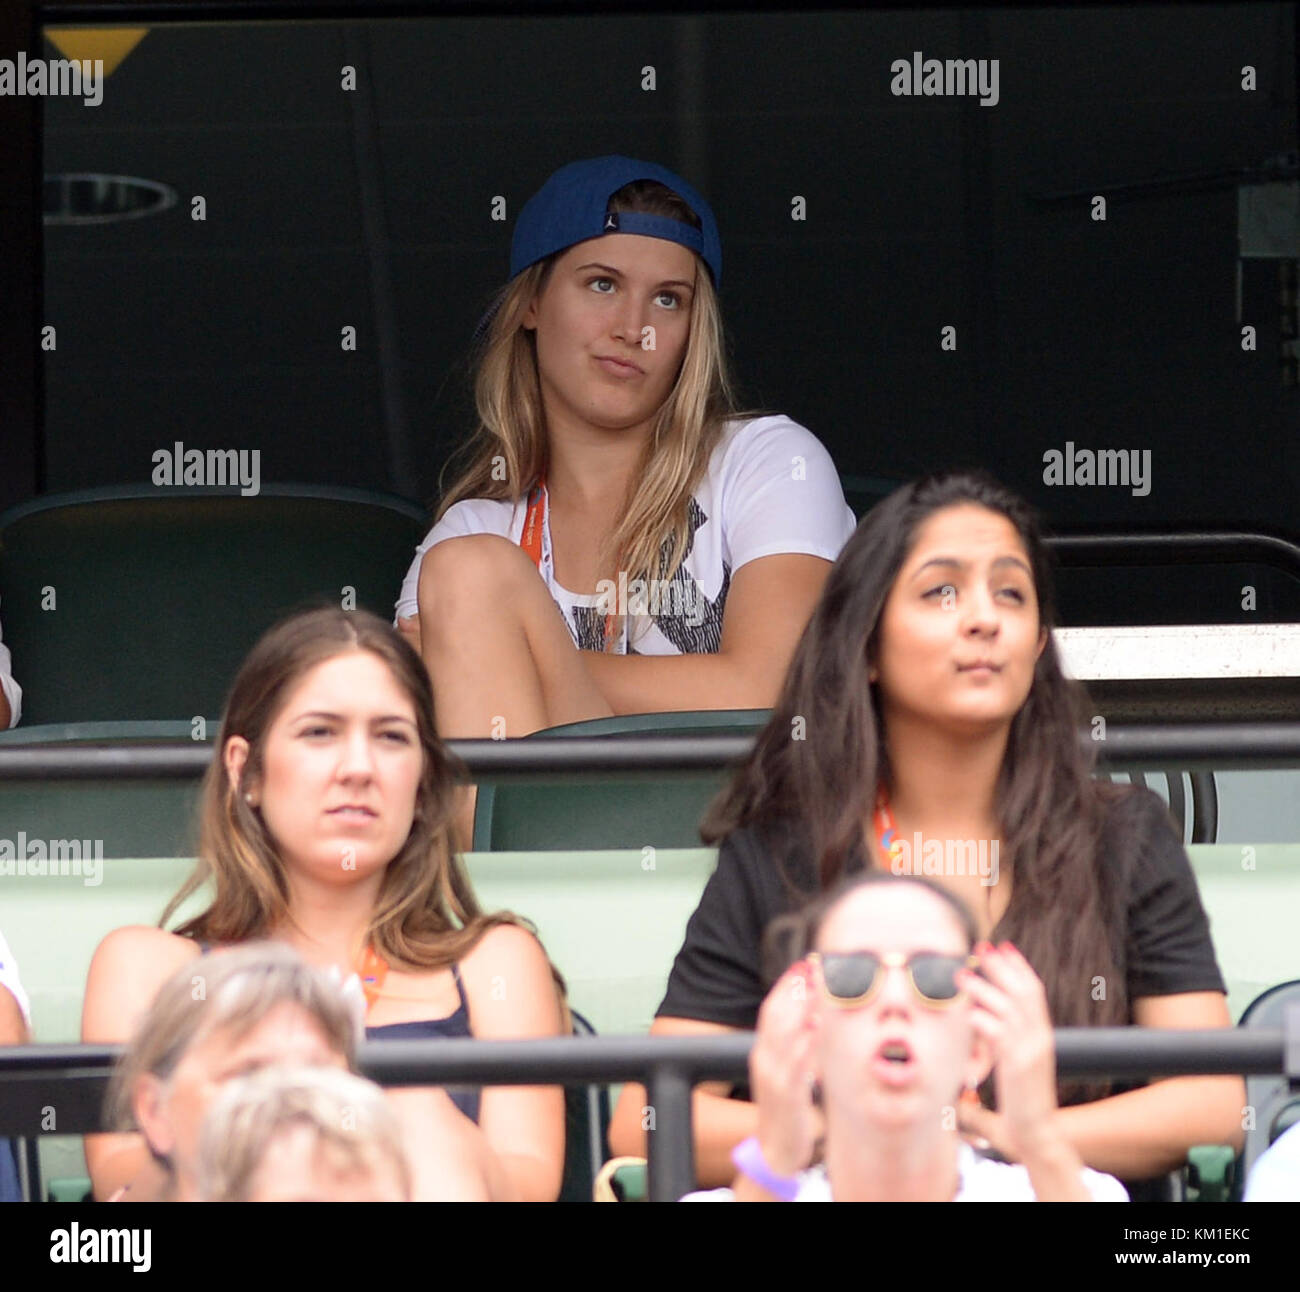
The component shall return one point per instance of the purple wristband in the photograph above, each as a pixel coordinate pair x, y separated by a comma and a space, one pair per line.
748, 1159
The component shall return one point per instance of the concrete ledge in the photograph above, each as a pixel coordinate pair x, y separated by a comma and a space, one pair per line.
1181, 652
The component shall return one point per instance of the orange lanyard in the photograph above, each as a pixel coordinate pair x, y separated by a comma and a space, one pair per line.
886, 827
372, 971
531, 537
534, 522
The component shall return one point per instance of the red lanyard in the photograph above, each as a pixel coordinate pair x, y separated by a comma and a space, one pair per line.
531, 537
372, 971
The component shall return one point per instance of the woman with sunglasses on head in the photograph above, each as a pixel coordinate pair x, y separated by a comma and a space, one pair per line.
612, 477
325, 821
884, 1015
926, 727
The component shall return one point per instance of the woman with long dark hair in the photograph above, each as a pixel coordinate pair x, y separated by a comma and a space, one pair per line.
926, 726
325, 824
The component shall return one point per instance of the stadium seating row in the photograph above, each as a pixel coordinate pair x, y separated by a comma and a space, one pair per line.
133, 559
611, 920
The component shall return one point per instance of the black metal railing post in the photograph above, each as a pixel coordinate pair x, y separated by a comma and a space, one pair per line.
670, 1133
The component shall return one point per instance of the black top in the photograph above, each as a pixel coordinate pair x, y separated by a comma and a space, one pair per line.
718, 976
466, 1098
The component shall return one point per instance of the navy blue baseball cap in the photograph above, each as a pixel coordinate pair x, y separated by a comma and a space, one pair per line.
572, 206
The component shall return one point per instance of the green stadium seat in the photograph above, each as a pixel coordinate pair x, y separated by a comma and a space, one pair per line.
654, 808
75, 1189
113, 818
651, 810
1211, 1173
130, 605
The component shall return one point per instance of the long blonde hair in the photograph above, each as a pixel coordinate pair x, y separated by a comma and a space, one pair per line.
426, 915
350, 1121
231, 992
508, 450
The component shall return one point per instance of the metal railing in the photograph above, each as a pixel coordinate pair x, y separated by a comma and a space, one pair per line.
1139, 746
1198, 748
1210, 547
69, 1080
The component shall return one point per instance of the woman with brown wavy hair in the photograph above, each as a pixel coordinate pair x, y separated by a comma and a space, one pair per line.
325, 824
611, 477
926, 725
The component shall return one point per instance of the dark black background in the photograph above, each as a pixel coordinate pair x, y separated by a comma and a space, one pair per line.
327, 208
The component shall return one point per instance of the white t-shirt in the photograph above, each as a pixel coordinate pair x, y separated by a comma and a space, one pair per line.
1275, 1177
13, 692
770, 487
981, 1180
9, 979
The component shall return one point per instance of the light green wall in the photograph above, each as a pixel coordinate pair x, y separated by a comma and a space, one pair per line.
612, 922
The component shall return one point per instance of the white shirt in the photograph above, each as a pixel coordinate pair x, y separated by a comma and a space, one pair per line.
1275, 1177
770, 487
980, 1180
13, 692
9, 979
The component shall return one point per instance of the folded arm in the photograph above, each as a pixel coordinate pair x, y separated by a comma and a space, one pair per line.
768, 605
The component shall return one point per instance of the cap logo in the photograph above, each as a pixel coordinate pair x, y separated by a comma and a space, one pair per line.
611, 221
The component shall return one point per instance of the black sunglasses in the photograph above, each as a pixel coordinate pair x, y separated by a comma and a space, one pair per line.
853, 977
